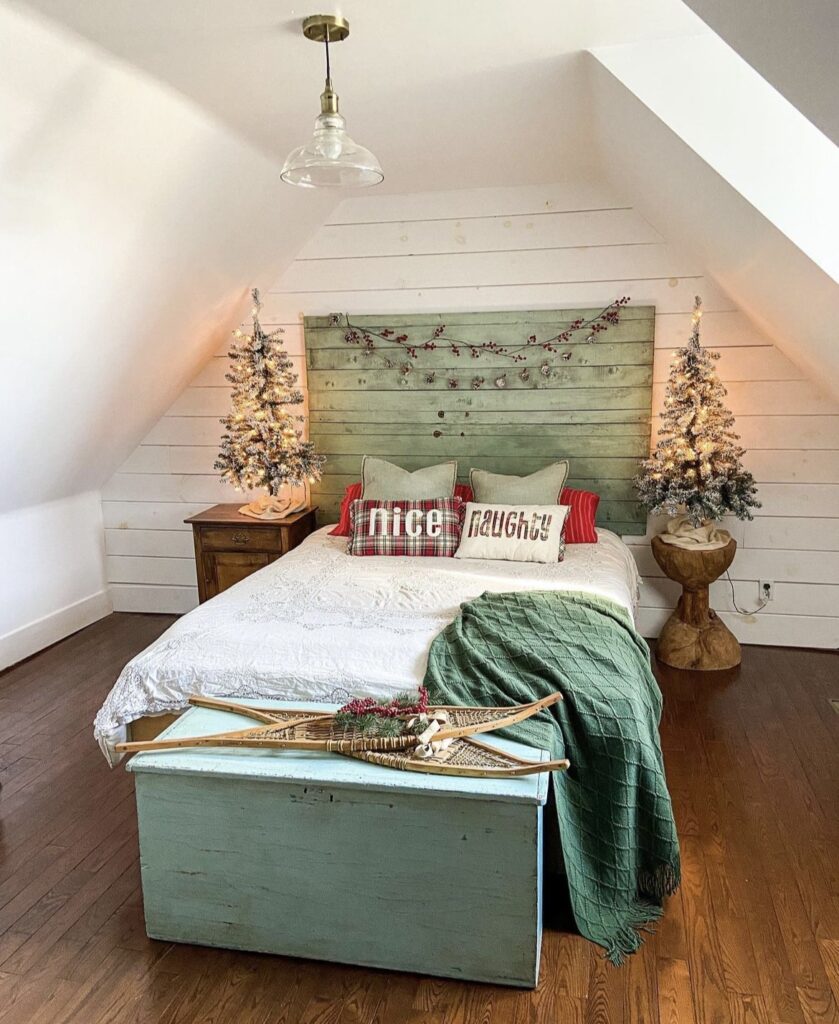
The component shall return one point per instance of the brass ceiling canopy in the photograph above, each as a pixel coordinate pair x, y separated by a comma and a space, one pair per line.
326, 28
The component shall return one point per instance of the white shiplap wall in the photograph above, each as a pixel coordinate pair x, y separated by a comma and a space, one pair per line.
563, 245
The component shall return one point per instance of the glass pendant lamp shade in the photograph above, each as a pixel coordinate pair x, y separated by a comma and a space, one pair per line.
330, 159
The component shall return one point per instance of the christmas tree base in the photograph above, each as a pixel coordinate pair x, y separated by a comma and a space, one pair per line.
694, 637
681, 533
270, 507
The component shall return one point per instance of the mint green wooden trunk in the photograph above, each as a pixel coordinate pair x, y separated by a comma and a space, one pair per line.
315, 855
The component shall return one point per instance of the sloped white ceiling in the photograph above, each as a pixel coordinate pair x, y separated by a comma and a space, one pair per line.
741, 177
132, 228
792, 45
787, 295
743, 129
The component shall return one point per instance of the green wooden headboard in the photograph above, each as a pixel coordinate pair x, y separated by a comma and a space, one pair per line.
594, 408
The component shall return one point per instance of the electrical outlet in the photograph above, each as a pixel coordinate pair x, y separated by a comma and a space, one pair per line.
766, 590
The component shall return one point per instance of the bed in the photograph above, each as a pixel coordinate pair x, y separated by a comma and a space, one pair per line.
318, 624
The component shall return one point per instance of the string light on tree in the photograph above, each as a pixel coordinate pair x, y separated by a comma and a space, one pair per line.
696, 466
263, 444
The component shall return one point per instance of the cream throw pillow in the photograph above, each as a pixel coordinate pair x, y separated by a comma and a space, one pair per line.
517, 533
384, 481
540, 488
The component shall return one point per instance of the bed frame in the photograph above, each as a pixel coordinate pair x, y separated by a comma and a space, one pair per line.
149, 727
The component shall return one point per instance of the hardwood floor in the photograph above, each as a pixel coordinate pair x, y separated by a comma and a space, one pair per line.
753, 935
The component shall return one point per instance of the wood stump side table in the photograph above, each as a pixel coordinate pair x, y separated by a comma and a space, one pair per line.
694, 637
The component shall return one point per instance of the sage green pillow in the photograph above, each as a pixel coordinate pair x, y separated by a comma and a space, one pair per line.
540, 488
384, 481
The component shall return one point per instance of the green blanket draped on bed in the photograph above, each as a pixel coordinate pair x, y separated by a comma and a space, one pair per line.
616, 823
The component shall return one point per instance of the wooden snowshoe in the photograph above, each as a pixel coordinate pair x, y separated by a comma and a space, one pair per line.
443, 747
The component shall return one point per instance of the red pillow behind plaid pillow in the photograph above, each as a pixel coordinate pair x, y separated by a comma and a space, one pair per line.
417, 528
351, 494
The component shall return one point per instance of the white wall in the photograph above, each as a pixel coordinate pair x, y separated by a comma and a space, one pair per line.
131, 228
530, 247
53, 574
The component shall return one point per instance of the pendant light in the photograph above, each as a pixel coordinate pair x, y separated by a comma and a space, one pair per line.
330, 159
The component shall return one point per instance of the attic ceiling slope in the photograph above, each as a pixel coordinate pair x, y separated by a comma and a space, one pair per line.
785, 293
744, 129
124, 257
792, 45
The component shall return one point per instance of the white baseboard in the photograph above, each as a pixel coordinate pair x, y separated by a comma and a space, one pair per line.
35, 636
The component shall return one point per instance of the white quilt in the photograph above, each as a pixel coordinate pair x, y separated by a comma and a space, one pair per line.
318, 623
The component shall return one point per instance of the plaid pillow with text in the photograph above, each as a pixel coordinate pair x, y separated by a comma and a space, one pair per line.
418, 528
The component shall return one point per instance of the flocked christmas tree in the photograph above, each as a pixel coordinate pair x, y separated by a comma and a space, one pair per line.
695, 468
263, 444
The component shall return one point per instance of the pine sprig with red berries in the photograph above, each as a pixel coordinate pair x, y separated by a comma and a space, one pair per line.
367, 716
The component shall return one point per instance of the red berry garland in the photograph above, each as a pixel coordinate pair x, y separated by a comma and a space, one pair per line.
367, 706
363, 336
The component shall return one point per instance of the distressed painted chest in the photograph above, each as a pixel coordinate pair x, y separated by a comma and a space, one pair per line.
314, 855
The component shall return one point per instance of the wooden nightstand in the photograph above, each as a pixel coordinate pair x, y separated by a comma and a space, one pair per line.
230, 546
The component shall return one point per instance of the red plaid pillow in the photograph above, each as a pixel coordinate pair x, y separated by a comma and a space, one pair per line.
579, 524
353, 492
429, 527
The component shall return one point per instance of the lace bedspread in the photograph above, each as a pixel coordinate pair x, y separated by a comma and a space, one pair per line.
318, 622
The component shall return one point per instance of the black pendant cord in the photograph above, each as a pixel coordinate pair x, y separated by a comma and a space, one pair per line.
328, 68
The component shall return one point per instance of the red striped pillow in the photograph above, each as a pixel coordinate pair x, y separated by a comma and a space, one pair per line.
353, 492
579, 526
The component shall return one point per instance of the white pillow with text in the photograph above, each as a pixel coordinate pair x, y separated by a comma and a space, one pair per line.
515, 533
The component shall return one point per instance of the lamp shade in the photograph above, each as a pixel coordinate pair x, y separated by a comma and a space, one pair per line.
331, 159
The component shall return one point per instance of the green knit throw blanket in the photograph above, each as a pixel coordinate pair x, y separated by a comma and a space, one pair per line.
616, 823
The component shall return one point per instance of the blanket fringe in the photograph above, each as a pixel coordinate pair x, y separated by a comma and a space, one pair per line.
663, 880
629, 938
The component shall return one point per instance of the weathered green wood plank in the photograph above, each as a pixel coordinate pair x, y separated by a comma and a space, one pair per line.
502, 400
351, 464
469, 428
529, 317
373, 379
335, 484
621, 527
594, 409
348, 357
491, 418
551, 445
628, 333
